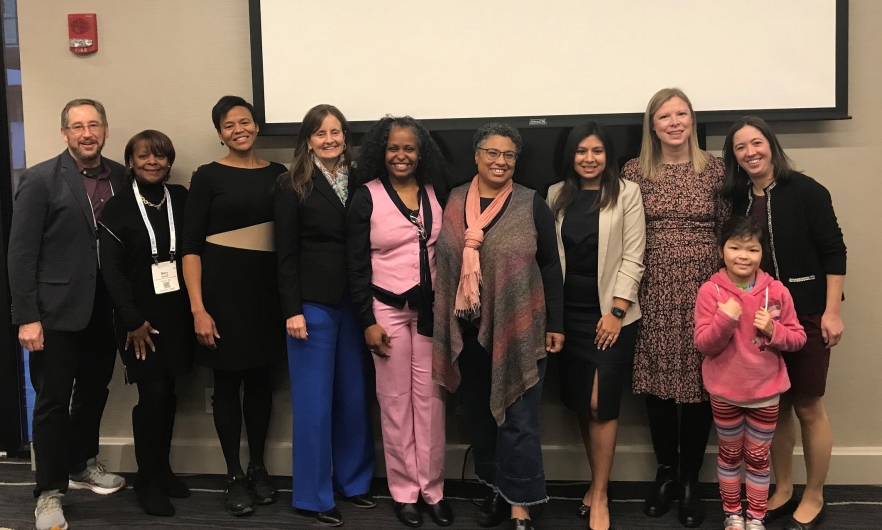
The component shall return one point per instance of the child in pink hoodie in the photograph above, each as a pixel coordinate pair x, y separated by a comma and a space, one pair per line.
744, 318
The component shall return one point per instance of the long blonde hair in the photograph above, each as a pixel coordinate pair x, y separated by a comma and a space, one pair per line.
650, 149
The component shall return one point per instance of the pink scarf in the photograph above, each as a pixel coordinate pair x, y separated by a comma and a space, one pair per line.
468, 294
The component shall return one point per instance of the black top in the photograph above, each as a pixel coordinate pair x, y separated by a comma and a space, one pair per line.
358, 234
239, 287
126, 262
759, 214
804, 236
547, 258
579, 233
311, 245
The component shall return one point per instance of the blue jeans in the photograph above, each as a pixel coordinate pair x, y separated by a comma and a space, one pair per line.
333, 444
508, 457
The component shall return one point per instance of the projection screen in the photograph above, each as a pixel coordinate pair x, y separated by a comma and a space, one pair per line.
453, 63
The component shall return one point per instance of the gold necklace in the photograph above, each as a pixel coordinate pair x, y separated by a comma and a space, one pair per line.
157, 206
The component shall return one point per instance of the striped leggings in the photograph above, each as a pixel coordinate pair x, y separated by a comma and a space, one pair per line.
744, 435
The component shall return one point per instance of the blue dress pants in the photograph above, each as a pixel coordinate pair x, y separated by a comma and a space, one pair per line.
333, 445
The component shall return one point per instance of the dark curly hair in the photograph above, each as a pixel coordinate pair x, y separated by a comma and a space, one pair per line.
432, 167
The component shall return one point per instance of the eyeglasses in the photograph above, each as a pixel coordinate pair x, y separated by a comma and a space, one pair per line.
418, 223
79, 128
493, 154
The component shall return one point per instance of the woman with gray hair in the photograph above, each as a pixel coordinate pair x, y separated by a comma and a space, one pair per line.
498, 313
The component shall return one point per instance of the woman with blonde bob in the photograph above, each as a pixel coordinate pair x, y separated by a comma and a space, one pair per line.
680, 185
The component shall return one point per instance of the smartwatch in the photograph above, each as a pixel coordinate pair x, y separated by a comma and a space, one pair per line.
618, 312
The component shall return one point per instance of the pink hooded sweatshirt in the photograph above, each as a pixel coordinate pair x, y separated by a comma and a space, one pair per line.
741, 364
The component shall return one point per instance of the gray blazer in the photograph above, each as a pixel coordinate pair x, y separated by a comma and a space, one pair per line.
53, 252
620, 247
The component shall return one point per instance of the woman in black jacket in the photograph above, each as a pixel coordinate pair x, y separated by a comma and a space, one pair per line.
807, 253
333, 446
154, 327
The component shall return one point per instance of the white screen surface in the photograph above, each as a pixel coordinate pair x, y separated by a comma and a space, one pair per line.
453, 59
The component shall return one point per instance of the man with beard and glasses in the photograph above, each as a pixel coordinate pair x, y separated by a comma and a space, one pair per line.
62, 308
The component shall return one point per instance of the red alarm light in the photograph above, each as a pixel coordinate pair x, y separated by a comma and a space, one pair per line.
82, 32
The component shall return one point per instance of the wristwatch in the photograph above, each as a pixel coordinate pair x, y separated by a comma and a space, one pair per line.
618, 312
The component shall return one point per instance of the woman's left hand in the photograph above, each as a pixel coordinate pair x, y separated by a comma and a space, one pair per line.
831, 328
608, 329
553, 342
141, 340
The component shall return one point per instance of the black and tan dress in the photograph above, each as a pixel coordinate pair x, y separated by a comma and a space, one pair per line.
239, 285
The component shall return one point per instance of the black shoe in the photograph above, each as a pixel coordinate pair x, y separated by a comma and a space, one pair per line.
172, 485
150, 496
331, 517
691, 510
584, 511
236, 497
664, 490
408, 514
441, 513
261, 487
494, 510
364, 501
785, 509
793, 524
522, 524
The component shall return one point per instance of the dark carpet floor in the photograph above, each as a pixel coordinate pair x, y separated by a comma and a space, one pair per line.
850, 507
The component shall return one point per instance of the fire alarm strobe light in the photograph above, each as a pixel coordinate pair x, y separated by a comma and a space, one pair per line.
82, 32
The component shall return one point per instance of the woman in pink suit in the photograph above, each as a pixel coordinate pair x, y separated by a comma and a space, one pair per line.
392, 224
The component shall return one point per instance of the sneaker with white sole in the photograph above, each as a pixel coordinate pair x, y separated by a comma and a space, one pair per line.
755, 524
49, 514
734, 522
96, 478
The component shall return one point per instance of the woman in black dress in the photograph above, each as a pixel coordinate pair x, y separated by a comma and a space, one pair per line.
153, 324
230, 269
601, 237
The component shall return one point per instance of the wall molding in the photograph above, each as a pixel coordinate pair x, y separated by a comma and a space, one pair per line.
849, 465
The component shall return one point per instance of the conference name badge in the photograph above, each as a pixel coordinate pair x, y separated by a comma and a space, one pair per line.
165, 277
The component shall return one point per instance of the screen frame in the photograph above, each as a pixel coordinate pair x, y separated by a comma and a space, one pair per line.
838, 112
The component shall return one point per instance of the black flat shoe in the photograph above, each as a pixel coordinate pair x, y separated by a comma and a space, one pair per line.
658, 502
494, 510
408, 514
151, 497
690, 511
785, 509
522, 524
793, 524
584, 511
261, 487
236, 497
331, 517
364, 501
441, 513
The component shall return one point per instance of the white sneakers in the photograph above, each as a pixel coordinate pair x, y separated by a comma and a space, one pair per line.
96, 478
48, 513
736, 522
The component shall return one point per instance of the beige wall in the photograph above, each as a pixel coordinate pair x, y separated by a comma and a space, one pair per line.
163, 64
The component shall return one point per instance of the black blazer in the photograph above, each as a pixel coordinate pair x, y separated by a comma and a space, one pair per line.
310, 238
806, 241
53, 253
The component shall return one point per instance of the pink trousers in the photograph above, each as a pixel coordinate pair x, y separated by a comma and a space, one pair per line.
411, 409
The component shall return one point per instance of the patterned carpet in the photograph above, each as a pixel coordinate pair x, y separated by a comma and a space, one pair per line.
850, 507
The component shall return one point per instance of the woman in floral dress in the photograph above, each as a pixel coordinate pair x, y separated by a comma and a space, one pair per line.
680, 185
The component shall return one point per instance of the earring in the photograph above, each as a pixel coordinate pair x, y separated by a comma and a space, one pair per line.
222, 142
